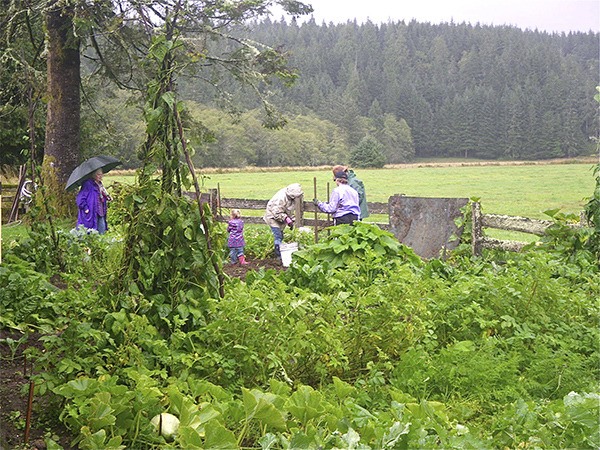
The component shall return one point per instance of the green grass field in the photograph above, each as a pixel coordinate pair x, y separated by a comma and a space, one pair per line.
522, 190
516, 190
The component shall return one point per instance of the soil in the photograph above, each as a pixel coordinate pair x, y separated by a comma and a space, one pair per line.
239, 271
15, 371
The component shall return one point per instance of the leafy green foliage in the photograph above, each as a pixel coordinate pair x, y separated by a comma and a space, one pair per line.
166, 259
570, 422
259, 240
359, 343
572, 242
73, 252
592, 213
23, 291
168, 255
225, 141
347, 243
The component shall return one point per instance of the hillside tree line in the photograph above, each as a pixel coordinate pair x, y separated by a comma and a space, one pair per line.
448, 90
392, 91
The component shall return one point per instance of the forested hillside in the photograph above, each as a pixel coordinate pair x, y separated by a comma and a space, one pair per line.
449, 90
365, 94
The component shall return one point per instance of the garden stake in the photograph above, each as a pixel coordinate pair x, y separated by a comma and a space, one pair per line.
190, 164
316, 209
328, 216
0, 222
219, 200
28, 416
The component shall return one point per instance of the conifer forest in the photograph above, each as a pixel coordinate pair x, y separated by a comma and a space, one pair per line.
423, 90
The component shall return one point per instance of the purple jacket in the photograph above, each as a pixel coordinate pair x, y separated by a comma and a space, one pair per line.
343, 200
89, 199
235, 227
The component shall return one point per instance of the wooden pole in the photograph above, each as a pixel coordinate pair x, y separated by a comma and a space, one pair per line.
14, 211
328, 215
0, 222
219, 200
476, 230
316, 210
209, 246
299, 212
29, 407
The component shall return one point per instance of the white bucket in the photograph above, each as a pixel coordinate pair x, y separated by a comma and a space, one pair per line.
286, 252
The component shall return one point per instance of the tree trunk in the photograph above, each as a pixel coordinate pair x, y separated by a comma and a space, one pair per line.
61, 150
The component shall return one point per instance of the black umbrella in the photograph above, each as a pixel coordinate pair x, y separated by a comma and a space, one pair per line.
88, 167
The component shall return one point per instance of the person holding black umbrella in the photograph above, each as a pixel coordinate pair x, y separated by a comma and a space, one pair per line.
93, 198
92, 201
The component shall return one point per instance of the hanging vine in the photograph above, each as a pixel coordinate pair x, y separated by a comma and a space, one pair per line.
169, 255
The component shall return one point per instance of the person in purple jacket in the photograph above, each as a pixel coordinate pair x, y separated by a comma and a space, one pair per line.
343, 203
92, 201
236, 243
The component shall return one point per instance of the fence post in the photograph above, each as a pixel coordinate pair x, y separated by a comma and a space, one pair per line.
583, 220
213, 201
298, 202
477, 229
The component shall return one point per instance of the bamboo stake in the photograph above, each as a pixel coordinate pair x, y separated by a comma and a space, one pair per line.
316, 209
190, 164
29, 407
0, 222
328, 215
219, 200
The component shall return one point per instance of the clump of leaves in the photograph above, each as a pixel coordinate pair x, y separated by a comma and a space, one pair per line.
347, 243
23, 291
571, 242
362, 251
74, 252
592, 213
259, 240
165, 257
570, 422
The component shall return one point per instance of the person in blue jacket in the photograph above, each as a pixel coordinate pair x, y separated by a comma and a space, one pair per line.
92, 201
343, 202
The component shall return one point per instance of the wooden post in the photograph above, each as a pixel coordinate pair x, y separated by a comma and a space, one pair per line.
28, 414
299, 210
328, 215
316, 210
14, 211
213, 202
209, 245
219, 200
583, 220
0, 222
477, 229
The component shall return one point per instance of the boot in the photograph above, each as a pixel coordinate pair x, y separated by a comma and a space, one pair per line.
242, 260
277, 252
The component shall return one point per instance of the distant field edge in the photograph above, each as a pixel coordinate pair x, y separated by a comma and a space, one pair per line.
454, 162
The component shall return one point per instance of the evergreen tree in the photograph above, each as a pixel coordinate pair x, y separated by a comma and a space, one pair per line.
368, 153
396, 139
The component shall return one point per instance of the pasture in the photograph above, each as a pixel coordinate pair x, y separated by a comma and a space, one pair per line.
516, 190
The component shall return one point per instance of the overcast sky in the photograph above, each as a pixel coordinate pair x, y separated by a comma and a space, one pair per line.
544, 15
